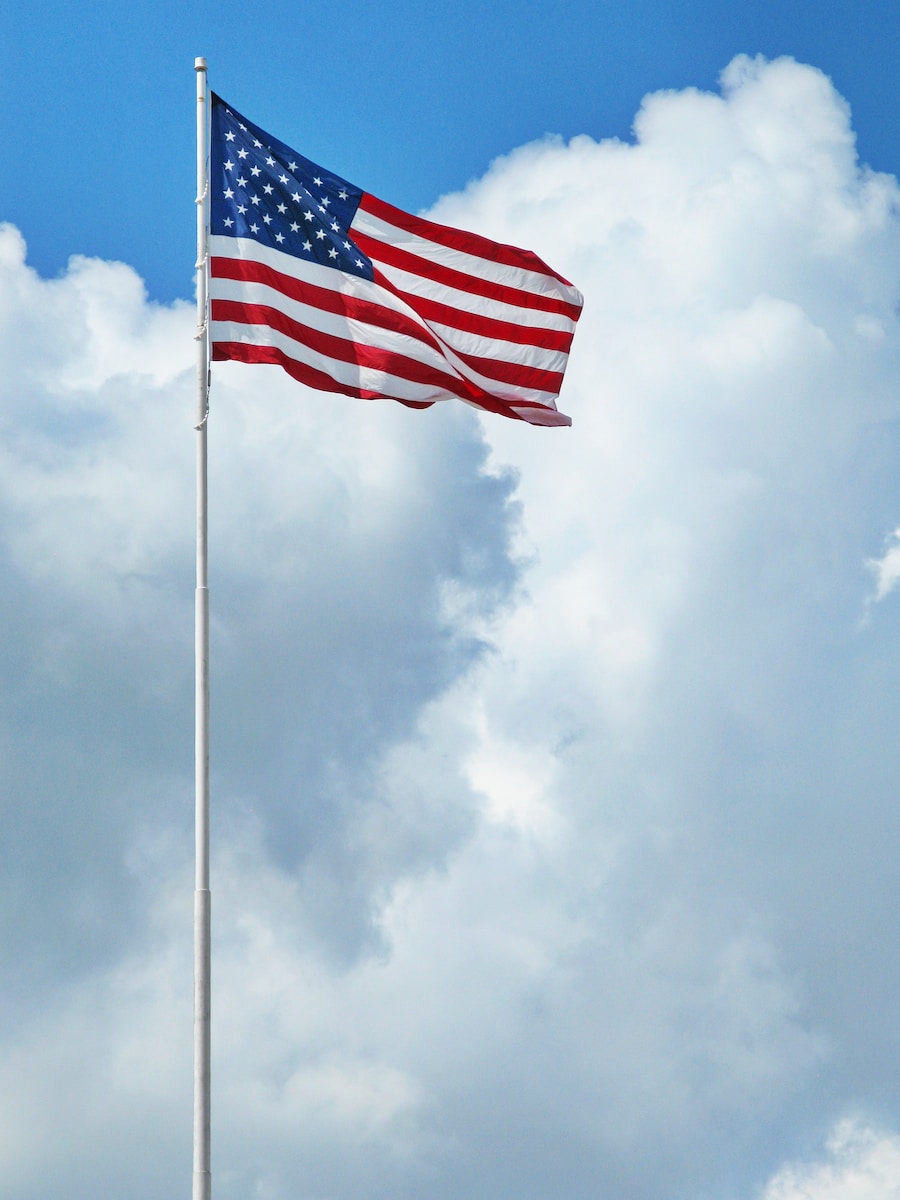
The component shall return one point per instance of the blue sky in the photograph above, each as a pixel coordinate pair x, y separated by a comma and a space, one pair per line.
554, 772
407, 100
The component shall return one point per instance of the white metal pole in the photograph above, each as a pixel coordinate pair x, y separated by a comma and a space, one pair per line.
202, 960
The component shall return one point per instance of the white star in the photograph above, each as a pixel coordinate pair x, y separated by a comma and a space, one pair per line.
279, 237
282, 208
242, 182
242, 208
307, 216
283, 179
240, 126
342, 195
268, 189
332, 253
320, 233
317, 182
296, 197
346, 245
270, 161
229, 166
254, 199
257, 144
335, 226
292, 166
254, 171
228, 193
267, 218
242, 153
228, 222
359, 262
321, 207
307, 246
229, 136
294, 227
325, 201
254, 229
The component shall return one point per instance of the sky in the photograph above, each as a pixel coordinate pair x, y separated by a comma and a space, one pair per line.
554, 772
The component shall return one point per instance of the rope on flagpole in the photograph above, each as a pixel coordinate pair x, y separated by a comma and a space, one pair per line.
201, 336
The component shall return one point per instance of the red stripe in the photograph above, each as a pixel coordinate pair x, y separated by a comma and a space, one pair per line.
330, 345
506, 331
515, 374
244, 270
382, 252
243, 352
392, 362
248, 271
246, 353
458, 239
386, 318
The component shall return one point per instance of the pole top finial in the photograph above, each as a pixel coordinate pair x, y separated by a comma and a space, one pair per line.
199, 64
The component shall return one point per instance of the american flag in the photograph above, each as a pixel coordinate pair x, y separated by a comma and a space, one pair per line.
349, 294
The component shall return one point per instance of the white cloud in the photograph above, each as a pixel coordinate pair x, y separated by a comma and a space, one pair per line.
887, 568
554, 812
862, 1164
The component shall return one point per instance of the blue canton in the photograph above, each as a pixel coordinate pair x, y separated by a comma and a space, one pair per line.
261, 189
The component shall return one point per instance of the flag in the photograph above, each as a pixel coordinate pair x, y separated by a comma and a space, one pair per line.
349, 294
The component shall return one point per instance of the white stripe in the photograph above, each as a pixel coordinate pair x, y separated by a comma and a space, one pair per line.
373, 335
511, 352
497, 387
278, 260
364, 289
378, 339
348, 328
334, 280
468, 302
541, 416
459, 260
369, 380
366, 378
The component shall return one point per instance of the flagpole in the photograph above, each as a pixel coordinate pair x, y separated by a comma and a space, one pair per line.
202, 1189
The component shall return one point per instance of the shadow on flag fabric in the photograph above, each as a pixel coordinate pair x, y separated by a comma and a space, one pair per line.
349, 294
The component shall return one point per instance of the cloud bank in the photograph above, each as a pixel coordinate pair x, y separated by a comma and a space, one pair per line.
861, 1163
554, 772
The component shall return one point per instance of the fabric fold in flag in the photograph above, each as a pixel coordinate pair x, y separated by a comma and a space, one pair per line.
349, 294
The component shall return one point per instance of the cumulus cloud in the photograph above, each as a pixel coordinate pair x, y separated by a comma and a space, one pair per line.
886, 568
861, 1164
554, 819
